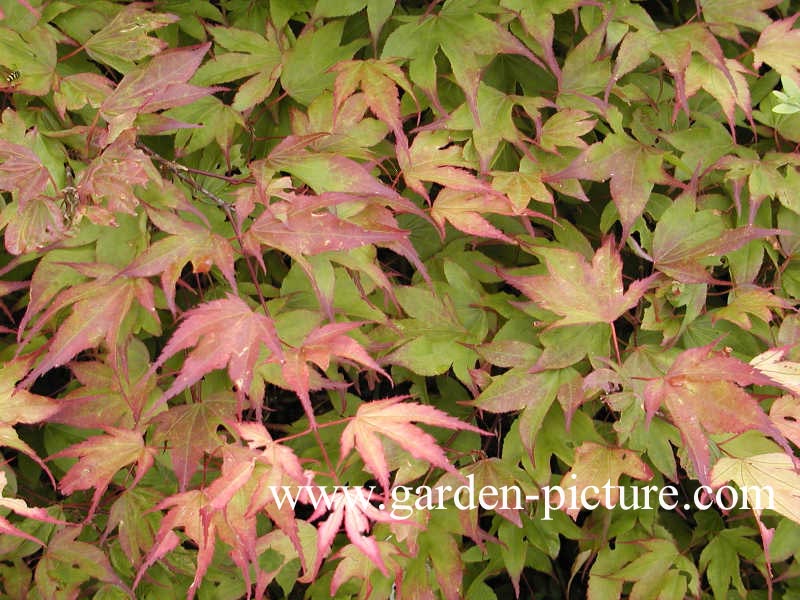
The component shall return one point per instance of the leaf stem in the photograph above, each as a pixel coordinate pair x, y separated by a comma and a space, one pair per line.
616, 343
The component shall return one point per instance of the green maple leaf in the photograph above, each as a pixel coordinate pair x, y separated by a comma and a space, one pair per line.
124, 40
249, 55
468, 39
306, 68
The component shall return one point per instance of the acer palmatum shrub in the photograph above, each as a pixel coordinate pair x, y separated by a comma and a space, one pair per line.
466, 299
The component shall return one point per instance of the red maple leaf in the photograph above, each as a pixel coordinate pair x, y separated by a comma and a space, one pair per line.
99, 459
702, 394
189, 242
21, 171
222, 332
351, 506
393, 419
318, 347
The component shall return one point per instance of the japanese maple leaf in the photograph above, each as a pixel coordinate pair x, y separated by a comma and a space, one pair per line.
379, 80
21, 171
351, 506
110, 392
745, 14
21, 508
99, 459
595, 465
778, 46
632, 168
686, 240
206, 515
318, 347
730, 89
774, 471
355, 565
393, 419
308, 225
36, 224
21, 406
125, 38
468, 39
98, 309
346, 179
78, 90
785, 413
784, 373
675, 47
276, 465
579, 291
189, 242
304, 226
463, 211
222, 332
432, 158
114, 174
184, 512
190, 431
703, 395
159, 85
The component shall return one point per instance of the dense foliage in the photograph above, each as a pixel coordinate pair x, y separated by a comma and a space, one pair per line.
375, 244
